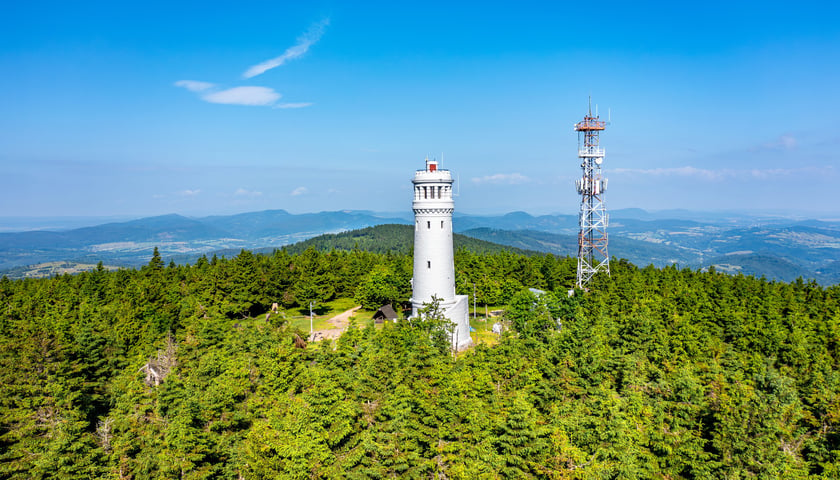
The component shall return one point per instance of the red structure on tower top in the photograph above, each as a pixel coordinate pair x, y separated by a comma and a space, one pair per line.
590, 123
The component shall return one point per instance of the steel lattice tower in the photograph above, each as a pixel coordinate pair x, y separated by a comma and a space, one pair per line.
592, 238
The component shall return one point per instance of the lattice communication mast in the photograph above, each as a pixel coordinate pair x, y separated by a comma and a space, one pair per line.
592, 239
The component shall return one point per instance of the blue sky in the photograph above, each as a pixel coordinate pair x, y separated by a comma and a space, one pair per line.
146, 108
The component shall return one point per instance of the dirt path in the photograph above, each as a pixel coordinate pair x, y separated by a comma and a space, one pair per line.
340, 323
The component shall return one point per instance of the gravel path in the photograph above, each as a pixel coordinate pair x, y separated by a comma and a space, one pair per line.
340, 323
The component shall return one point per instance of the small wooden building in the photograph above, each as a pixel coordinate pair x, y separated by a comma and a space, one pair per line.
385, 312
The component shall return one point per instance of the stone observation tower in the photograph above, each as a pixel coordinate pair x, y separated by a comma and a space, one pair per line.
434, 261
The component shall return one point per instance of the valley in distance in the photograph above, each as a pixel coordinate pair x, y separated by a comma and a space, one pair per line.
772, 246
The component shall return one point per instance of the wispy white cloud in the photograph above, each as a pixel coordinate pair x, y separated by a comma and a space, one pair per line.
194, 85
243, 96
305, 41
721, 174
817, 172
508, 178
299, 191
189, 193
241, 192
293, 105
253, 95
784, 142
687, 171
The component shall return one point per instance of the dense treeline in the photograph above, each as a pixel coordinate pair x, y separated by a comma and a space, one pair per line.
163, 372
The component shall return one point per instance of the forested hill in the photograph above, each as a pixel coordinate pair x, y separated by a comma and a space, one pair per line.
392, 238
174, 372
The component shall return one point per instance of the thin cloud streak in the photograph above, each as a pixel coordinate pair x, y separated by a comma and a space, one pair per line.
687, 171
784, 142
508, 178
725, 173
296, 51
299, 191
259, 96
241, 192
194, 85
293, 105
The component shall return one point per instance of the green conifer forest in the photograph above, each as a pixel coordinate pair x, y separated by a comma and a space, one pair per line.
172, 371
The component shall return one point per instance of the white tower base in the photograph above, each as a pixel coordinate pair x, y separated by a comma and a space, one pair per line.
459, 314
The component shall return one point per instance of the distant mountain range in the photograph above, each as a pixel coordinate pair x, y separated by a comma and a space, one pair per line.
130, 243
776, 247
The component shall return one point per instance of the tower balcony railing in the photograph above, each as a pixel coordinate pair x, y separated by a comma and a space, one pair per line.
439, 176
590, 123
591, 152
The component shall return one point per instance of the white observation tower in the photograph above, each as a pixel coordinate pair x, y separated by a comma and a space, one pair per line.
434, 260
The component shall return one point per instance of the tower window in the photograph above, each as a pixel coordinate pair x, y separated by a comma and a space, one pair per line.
429, 224
441, 224
428, 264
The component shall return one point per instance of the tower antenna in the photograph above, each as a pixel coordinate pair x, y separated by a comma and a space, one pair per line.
592, 237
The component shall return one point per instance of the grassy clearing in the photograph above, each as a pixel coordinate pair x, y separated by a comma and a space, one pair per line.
363, 318
299, 318
327, 309
483, 326
483, 331
340, 305
318, 322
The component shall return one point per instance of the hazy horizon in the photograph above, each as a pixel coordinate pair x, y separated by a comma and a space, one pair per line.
15, 224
